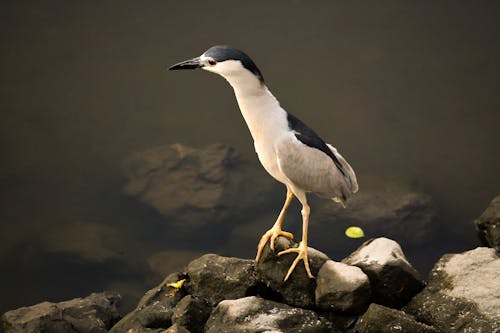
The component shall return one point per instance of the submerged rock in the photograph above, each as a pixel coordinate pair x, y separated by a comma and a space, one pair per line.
380, 319
393, 279
254, 315
195, 189
298, 290
462, 293
488, 225
93, 314
342, 288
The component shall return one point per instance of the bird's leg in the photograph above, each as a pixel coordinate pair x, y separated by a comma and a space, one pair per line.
275, 231
301, 250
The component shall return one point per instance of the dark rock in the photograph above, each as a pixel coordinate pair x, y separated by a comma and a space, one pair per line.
342, 288
216, 278
379, 319
488, 225
176, 329
393, 279
192, 313
253, 314
165, 262
95, 313
196, 189
91, 242
298, 290
462, 293
154, 310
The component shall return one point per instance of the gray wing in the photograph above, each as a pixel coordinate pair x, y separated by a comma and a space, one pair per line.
312, 170
348, 170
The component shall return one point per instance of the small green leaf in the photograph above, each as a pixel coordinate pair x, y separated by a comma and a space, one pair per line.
354, 232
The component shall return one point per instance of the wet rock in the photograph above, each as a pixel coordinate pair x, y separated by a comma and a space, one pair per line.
154, 310
342, 288
380, 319
95, 313
253, 314
298, 290
462, 293
393, 279
192, 313
488, 225
195, 189
216, 278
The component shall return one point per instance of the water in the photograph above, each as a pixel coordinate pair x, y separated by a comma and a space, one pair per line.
408, 92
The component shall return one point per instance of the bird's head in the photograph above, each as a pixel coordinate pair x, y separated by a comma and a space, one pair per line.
234, 65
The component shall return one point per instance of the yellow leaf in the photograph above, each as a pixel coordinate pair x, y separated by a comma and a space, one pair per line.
354, 232
176, 285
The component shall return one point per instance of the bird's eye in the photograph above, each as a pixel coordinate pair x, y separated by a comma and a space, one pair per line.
212, 62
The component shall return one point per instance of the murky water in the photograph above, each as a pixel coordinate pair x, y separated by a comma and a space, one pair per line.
408, 92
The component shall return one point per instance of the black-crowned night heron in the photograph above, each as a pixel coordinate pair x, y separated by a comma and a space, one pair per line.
290, 151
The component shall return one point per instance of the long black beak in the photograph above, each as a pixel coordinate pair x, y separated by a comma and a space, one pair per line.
187, 64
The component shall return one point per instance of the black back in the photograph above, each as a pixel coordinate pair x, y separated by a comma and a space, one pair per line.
308, 137
226, 52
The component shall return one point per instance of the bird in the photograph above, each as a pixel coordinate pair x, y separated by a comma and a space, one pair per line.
289, 150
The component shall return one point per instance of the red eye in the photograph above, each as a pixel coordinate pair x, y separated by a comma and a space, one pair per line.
212, 62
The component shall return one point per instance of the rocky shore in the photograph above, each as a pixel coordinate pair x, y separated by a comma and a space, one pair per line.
375, 289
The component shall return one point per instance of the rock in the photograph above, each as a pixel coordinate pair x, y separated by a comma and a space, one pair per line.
196, 189
176, 329
488, 225
393, 279
154, 310
379, 319
192, 313
298, 290
216, 278
462, 293
253, 314
342, 288
163, 263
95, 313
91, 242
381, 209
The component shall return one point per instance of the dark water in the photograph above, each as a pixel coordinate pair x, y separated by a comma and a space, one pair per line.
408, 90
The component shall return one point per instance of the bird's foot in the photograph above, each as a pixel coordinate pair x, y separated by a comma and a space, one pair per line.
271, 234
301, 251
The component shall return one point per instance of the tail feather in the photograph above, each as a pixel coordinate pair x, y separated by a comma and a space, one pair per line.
349, 174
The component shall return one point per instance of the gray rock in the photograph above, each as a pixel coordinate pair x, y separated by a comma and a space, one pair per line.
195, 189
462, 293
342, 288
154, 310
393, 279
253, 314
298, 290
216, 278
95, 313
379, 319
488, 225
192, 313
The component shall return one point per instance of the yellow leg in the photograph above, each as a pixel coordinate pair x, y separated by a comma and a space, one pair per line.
301, 250
275, 231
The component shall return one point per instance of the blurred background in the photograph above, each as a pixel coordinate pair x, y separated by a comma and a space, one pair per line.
407, 91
